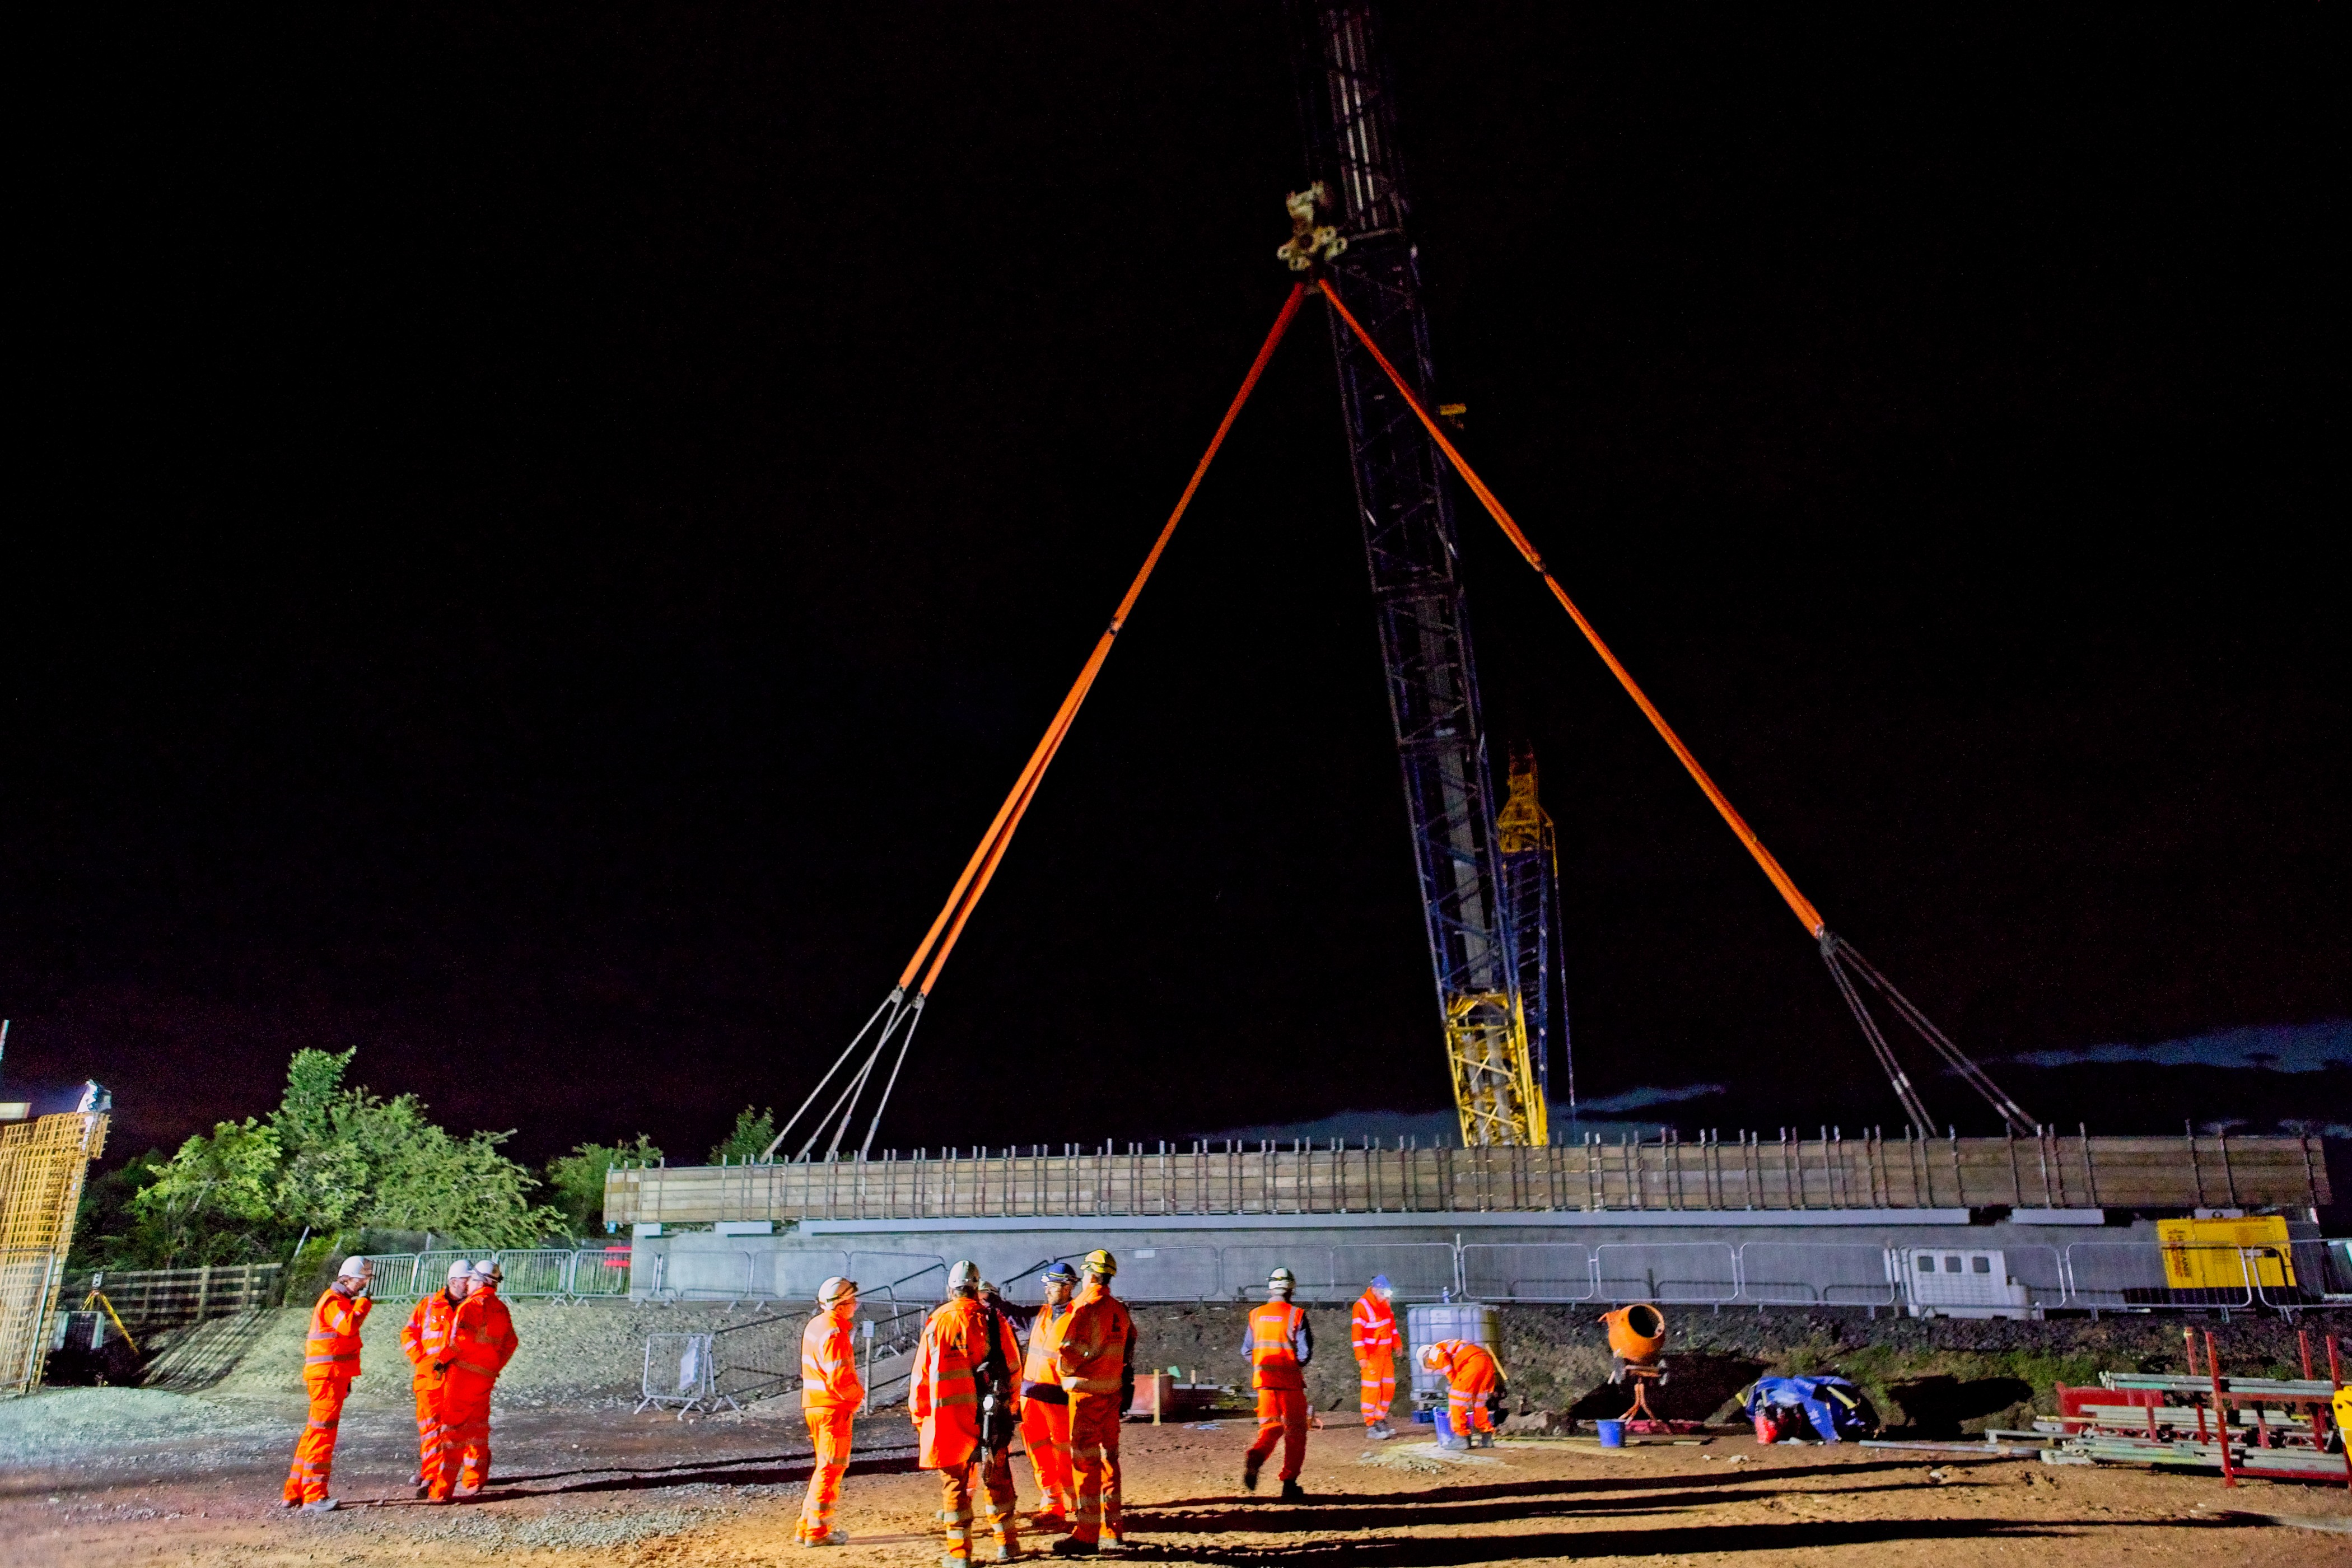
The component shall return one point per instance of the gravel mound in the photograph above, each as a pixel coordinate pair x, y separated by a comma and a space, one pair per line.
57, 1422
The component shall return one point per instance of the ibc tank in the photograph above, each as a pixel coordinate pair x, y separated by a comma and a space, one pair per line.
1434, 1320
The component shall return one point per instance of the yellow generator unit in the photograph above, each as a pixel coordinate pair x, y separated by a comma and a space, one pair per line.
2226, 1254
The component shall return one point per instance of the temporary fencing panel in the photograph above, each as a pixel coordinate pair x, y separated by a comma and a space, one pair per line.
1246, 1269
706, 1275
1169, 1274
1808, 1273
900, 1276
799, 1275
1691, 1272
395, 1276
2134, 1274
1528, 1271
681, 1373
1416, 1271
600, 1271
536, 1272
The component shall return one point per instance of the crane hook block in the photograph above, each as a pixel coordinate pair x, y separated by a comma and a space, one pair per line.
1309, 241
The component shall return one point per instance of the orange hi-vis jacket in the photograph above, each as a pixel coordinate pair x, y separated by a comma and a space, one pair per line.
1280, 1344
1468, 1368
481, 1337
1041, 1375
944, 1393
1097, 1352
829, 1379
424, 1339
1371, 1327
332, 1354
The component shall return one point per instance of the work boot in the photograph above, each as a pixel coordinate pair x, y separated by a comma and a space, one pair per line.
1379, 1432
417, 1480
463, 1492
1483, 1440
1006, 1552
323, 1505
1071, 1546
1293, 1492
1251, 1465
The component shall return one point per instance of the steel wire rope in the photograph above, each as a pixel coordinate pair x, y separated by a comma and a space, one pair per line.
1834, 947
988, 853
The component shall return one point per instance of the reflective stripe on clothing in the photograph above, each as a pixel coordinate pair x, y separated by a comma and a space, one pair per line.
1279, 1344
986, 1472
1097, 1352
1046, 1433
1371, 1326
335, 1339
943, 1395
465, 1421
829, 1363
829, 1433
425, 1337
1282, 1417
1094, 1464
1376, 1385
1471, 1374
1043, 1365
314, 1451
481, 1335
431, 1435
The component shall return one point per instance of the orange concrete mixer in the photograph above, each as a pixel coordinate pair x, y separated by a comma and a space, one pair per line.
1636, 1335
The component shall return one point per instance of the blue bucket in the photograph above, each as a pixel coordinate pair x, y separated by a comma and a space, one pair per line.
1613, 1433
1444, 1427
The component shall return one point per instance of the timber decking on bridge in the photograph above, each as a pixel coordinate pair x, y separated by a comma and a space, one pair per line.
1748, 1173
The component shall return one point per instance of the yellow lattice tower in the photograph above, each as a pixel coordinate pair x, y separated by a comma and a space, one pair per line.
42, 1163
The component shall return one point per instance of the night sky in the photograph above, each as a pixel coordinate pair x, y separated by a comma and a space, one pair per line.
542, 540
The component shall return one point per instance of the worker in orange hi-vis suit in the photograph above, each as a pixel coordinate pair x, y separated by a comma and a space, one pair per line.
1097, 1363
965, 1398
1472, 1379
330, 1359
1279, 1344
425, 1339
481, 1343
1045, 1403
1372, 1332
831, 1392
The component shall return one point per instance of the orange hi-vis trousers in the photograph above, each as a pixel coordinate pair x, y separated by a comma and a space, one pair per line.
1045, 1431
829, 1431
1376, 1375
1466, 1407
1093, 1465
990, 1471
1281, 1416
465, 1433
314, 1451
433, 1453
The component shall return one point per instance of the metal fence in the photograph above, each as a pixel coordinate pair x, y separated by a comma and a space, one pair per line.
530, 1272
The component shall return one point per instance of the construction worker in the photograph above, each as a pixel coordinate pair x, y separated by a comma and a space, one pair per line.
330, 1359
1279, 1344
1046, 1405
481, 1343
1372, 1333
1096, 1357
965, 1399
831, 1392
1472, 1380
425, 1339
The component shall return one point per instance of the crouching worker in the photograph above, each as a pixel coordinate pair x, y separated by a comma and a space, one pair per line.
1473, 1382
481, 1343
964, 1401
831, 1392
330, 1359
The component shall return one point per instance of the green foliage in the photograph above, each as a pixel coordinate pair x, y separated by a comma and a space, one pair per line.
107, 1233
330, 1158
750, 1140
576, 1181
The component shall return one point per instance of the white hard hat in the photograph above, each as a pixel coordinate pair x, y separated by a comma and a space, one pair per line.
833, 1289
1282, 1280
1431, 1356
488, 1271
459, 1270
355, 1267
963, 1275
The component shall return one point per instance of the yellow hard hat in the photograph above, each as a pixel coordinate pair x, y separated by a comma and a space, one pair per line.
1101, 1262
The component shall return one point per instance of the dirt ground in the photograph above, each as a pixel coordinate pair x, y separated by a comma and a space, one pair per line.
101, 1476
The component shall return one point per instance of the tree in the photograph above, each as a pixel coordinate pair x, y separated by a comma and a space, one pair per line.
750, 1140
576, 1181
330, 1157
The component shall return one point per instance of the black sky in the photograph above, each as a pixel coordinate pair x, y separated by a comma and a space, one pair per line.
545, 536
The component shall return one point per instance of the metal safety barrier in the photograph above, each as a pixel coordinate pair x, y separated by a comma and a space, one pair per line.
1528, 1271
1691, 1273
1816, 1273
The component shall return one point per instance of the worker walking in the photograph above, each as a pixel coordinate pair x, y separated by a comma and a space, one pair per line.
831, 1392
1096, 1357
966, 1402
330, 1359
1046, 1405
1279, 1344
482, 1342
1473, 1379
425, 1339
1372, 1334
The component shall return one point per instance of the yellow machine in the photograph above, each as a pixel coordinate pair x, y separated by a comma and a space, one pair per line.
2225, 1254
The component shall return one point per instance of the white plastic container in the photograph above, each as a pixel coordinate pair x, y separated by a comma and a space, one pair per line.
1434, 1320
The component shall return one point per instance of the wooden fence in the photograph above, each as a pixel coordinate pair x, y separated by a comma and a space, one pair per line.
1748, 1173
158, 1298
